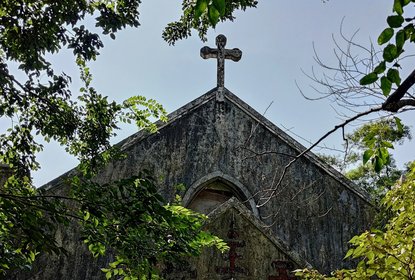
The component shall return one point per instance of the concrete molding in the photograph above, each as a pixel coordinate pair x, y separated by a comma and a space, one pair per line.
261, 226
201, 100
234, 185
297, 146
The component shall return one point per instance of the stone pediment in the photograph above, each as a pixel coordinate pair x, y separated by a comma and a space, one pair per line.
226, 96
236, 207
255, 253
218, 136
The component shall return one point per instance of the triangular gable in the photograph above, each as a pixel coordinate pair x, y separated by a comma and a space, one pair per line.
244, 212
316, 209
228, 95
255, 253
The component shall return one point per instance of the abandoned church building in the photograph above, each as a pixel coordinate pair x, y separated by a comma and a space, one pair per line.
227, 156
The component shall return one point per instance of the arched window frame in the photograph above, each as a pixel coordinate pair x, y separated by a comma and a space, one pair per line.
241, 191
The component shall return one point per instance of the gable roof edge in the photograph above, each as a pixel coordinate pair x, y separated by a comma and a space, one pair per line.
196, 103
141, 134
262, 227
173, 116
298, 147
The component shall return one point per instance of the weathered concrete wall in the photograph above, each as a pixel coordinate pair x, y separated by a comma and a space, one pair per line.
251, 255
315, 211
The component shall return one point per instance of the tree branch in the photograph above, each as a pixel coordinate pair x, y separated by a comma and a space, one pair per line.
393, 102
342, 125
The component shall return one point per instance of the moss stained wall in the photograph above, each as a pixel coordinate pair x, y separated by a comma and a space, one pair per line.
315, 210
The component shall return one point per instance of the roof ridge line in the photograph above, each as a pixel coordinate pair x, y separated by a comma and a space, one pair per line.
274, 129
176, 114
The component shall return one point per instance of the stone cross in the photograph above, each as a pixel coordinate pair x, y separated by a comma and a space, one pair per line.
221, 54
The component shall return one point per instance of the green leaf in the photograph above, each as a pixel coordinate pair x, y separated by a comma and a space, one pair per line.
397, 7
200, 8
393, 76
220, 5
349, 253
390, 260
87, 215
390, 53
400, 39
399, 124
383, 153
409, 30
387, 144
395, 21
32, 256
371, 256
385, 85
369, 79
213, 15
367, 155
380, 68
385, 36
378, 163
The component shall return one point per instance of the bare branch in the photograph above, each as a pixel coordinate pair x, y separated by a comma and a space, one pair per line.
274, 189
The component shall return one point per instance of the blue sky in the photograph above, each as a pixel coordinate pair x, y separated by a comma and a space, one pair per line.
276, 40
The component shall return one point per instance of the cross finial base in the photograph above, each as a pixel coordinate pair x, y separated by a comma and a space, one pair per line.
220, 94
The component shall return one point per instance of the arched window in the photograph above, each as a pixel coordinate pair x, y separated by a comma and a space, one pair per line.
211, 196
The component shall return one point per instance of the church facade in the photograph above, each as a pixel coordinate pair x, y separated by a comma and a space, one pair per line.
229, 158
219, 148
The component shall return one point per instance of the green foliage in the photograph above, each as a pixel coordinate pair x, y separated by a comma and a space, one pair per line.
40, 105
24, 230
403, 29
368, 162
387, 253
385, 85
393, 76
130, 217
376, 138
201, 15
376, 183
385, 36
390, 53
368, 79
395, 21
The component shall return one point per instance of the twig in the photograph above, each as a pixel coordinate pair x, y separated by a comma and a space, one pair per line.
342, 125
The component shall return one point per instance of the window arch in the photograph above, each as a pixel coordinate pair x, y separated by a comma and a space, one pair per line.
211, 195
226, 185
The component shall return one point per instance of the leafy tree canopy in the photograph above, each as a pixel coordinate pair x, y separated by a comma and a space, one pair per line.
38, 101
